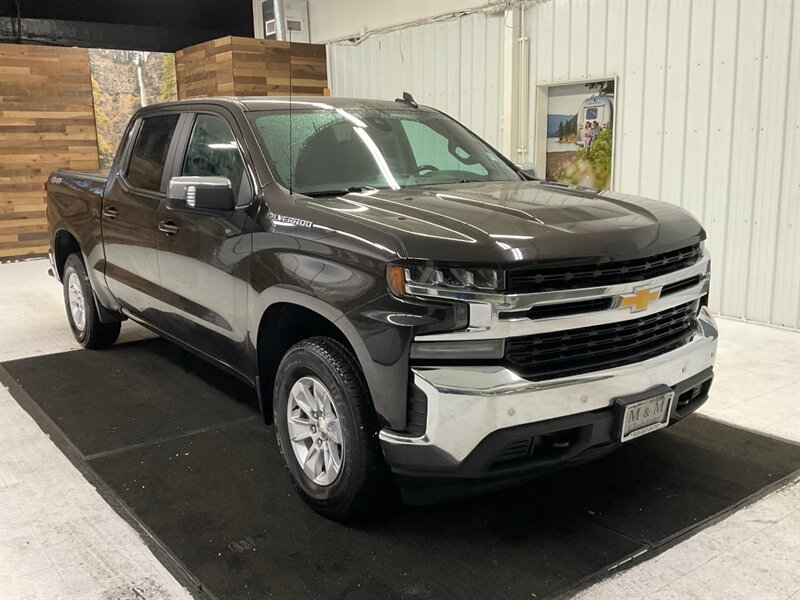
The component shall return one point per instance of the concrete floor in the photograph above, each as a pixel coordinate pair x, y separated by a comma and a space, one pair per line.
59, 538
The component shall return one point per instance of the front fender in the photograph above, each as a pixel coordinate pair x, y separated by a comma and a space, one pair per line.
381, 348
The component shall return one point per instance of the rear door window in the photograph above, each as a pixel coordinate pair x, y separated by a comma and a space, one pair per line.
146, 167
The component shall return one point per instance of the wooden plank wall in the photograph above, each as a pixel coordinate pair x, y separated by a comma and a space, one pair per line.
46, 122
236, 66
205, 69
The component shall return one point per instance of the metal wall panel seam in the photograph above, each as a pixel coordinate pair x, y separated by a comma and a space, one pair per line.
704, 216
487, 90
722, 96
654, 98
790, 178
631, 126
620, 106
788, 142
720, 274
756, 161
553, 45
477, 46
675, 113
738, 216
641, 100
682, 200
569, 40
530, 27
605, 45
570, 43
562, 53
588, 22
419, 64
664, 100
596, 47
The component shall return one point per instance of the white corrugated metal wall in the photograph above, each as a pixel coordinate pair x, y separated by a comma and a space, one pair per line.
453, 65
708, 113
708, 118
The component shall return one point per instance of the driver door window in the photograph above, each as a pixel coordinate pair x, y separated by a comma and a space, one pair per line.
214, 152
431, 148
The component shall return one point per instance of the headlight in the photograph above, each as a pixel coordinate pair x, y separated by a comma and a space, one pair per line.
480, 279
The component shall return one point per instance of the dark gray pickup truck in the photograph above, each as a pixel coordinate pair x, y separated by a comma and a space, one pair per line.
413, 309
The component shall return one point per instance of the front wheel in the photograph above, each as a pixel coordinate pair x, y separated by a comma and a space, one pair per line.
84, 321
327, 431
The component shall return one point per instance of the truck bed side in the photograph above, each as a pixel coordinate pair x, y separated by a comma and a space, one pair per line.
74, 209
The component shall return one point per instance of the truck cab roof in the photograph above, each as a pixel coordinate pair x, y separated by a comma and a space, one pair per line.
248, 103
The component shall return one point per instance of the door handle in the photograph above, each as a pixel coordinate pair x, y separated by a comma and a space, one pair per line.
110, 212
168, 227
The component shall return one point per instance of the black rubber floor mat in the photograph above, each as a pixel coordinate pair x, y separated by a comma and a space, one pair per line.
182, 445
131, 393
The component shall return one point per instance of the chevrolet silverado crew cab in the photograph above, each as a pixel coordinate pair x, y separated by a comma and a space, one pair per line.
414, 311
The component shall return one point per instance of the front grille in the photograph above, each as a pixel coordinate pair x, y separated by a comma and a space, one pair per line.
548, 311
588, 349
678, 286
578, 307
546, 279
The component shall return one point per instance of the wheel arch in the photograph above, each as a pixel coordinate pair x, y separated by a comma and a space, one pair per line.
64, 244
290, 319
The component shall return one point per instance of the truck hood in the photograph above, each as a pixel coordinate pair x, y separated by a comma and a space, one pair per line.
517, 222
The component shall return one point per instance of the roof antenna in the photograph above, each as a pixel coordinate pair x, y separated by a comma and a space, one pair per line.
291, 156
408, 99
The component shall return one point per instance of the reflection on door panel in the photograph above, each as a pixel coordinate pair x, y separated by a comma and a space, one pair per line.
203, 265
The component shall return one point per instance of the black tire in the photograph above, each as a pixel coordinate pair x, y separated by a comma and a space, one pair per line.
363, 483
93, 334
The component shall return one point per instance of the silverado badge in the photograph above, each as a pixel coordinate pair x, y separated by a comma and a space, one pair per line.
640, 299
290, 220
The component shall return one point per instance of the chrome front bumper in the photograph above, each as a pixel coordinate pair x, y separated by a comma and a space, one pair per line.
467, 404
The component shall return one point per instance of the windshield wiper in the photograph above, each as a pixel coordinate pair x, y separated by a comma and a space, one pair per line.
350, 190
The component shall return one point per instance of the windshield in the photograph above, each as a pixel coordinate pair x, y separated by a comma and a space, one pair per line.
333, 150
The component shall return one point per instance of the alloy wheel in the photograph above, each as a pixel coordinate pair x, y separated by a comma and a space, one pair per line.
315, 431
77, 303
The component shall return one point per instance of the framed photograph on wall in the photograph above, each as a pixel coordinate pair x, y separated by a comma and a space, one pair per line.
575, 137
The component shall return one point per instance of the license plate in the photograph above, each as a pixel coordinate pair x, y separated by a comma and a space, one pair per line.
643, 416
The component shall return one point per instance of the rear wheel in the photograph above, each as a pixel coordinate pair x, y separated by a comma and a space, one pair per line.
82, 314
327, 431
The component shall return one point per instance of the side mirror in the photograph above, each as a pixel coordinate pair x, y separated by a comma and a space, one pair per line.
528, 170
203, 193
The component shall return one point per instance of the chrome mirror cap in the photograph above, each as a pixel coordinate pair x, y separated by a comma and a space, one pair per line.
209, 193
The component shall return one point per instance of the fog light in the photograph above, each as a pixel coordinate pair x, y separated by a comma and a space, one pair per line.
457, 350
